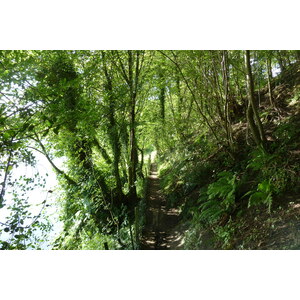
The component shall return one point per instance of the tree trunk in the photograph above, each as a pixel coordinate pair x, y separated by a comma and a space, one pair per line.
252, 112
280, 61
112, 130
269, 73
132, 136
226, 96
297, 55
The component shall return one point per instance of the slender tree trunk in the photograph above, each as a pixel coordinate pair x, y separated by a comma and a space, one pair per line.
226, 96
280, 61
133, 153
269, 73
216, 90
132, 134
178, 89
102, 151
162, 95
252, 125
297, 55
252, 112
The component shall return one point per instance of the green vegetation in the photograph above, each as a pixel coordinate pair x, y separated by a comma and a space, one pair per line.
224, 125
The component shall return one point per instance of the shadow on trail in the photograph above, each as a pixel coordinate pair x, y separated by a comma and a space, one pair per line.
159, 232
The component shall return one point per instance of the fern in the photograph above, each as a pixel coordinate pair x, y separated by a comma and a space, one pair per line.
223, 189
263, 195
218, 198
260, 160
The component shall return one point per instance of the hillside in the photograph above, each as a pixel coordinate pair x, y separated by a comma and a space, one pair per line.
173, 149
265, 186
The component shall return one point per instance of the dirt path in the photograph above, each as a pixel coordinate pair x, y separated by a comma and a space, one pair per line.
160, 229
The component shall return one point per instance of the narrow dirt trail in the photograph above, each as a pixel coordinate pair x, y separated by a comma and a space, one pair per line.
160, 229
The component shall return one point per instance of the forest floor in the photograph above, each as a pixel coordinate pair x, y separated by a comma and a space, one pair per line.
161, 230
278, 230
259, 230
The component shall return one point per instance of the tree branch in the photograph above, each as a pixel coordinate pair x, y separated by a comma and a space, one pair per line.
191, 91
59, 171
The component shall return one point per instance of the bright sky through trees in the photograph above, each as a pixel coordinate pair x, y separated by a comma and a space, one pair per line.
93, 117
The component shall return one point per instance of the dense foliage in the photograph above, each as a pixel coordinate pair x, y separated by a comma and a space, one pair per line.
220, 121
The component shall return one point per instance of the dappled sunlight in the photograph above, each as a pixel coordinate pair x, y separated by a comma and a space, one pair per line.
158, 149
159, 232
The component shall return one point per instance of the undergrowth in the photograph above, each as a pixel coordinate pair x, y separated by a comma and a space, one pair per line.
215, 196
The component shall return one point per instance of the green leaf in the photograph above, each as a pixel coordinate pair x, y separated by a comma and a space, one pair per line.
6, 135
31, 127
56, 129
264, 186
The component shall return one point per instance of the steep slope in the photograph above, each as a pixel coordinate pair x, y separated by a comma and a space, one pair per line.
252, 202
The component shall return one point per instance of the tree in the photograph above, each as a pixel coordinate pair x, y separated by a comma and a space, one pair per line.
102, 112
252, 111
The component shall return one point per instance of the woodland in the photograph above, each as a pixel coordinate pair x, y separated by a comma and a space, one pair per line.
172, 149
